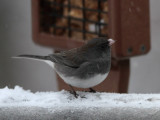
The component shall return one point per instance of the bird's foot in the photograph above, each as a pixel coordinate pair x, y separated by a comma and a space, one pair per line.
74, 93
92, 90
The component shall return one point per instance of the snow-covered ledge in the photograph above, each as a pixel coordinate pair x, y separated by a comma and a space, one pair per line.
18, 104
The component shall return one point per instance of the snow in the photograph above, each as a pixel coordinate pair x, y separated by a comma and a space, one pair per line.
18, 103
19, 96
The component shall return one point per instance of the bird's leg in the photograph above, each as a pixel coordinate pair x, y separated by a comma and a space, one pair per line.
73, 92
92, 90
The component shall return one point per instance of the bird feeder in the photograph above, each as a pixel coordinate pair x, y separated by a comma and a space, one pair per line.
66, 24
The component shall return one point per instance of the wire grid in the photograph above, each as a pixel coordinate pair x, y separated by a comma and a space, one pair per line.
52, 16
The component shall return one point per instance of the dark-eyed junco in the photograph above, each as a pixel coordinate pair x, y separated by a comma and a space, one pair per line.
82, 67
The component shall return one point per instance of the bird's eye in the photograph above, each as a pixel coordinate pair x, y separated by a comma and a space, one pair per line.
103, 46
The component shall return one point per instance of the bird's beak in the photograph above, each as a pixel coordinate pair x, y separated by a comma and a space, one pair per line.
111, 42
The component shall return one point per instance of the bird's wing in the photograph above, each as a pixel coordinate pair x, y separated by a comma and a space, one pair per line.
71, 58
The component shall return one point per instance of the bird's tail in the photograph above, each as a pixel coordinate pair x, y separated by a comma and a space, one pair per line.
33, 57
45, 59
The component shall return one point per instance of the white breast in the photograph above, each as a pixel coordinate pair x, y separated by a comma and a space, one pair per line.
84, 83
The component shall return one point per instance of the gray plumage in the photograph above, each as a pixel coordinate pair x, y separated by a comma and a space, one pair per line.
83, 62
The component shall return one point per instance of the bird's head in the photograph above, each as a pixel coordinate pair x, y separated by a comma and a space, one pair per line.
101, 43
